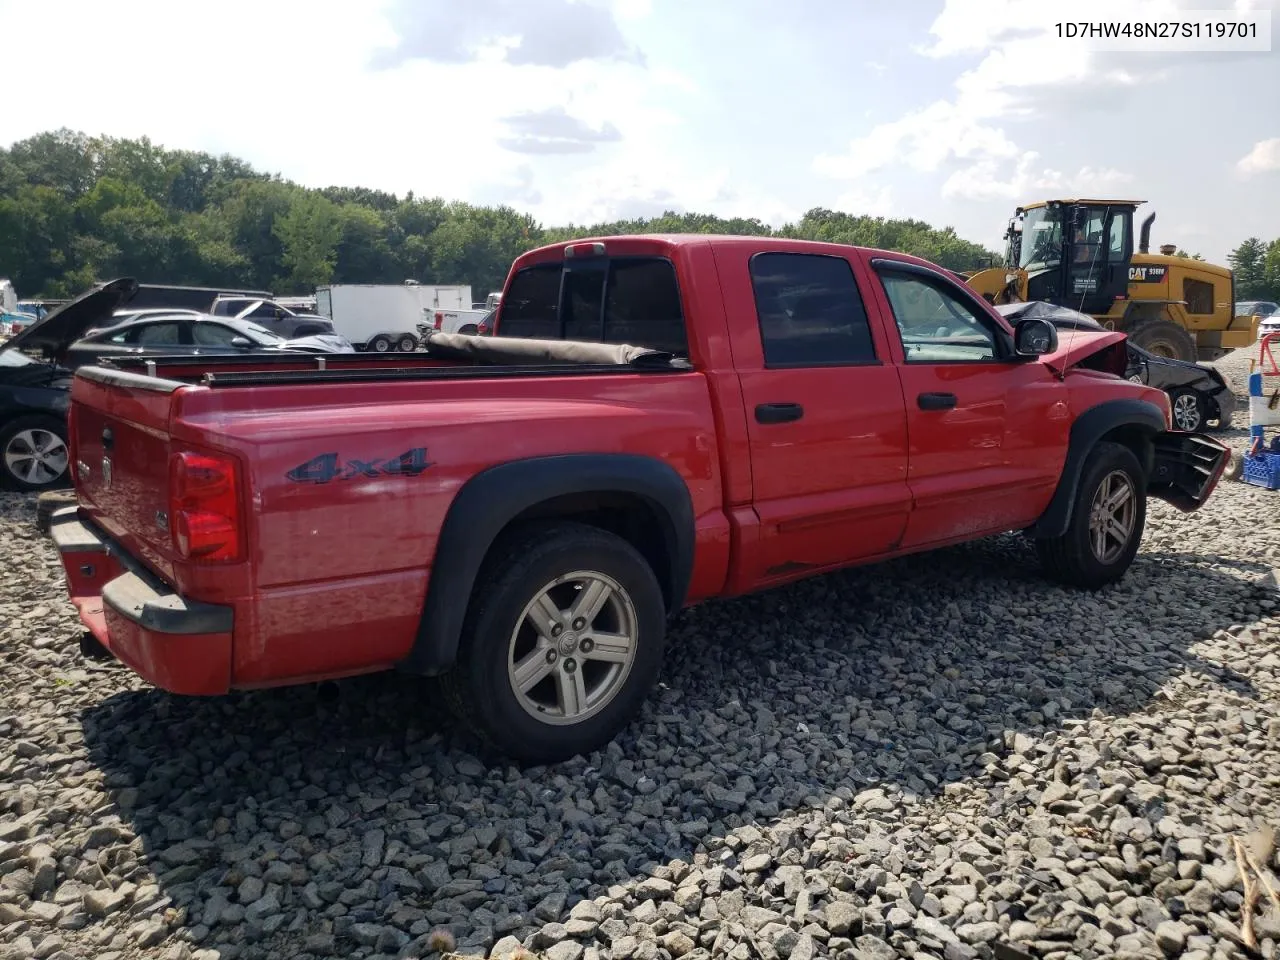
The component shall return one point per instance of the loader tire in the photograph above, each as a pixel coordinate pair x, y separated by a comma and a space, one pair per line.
1164, 339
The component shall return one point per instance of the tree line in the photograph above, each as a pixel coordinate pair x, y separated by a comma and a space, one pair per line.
76, 210
1256, 264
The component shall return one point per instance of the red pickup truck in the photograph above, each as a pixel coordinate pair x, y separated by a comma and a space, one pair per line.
660, 420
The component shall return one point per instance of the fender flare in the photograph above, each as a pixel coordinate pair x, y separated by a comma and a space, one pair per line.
491, 499
1090, 427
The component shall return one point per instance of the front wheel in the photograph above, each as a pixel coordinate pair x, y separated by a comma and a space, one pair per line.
33, 453
407, 344
1107, 520
562, 643
1189, 409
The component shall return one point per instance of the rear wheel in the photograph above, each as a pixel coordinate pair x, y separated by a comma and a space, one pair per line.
562, 643
380, 344
1165, 339
407, 344
33, 453
1189, 409
1107, 520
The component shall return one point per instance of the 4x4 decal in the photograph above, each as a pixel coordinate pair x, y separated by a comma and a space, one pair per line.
328, 466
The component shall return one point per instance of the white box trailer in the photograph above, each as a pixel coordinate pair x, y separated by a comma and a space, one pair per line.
385, 316
444, 296
373, 316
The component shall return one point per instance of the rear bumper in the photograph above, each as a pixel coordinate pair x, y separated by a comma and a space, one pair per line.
183, 646
1187, 468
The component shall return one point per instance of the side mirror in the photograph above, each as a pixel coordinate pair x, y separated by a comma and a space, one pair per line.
241, 342
1034, 337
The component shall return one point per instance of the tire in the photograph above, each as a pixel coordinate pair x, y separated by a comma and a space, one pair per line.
481, 688
1072, 558
1165, 339
407, 344
380, 344
470, 329
1235, 467
1189, 409
49, 503
1224, 411
33, 453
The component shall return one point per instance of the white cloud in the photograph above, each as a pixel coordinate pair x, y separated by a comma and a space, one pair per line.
1025, 72
922, 140
332, 116
989, 180
869, 202
1263, 158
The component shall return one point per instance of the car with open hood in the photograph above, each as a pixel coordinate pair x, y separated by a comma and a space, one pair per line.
1197, 393
37, 366
35, 388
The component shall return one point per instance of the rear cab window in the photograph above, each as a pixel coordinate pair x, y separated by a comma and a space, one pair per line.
632, 300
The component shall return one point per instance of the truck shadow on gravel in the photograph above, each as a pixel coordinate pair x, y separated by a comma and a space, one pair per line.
904, 677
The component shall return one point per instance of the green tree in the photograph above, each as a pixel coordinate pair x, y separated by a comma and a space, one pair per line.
1249, 263
308, 231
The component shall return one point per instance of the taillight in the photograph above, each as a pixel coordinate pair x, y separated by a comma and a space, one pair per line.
204, 508
439, 319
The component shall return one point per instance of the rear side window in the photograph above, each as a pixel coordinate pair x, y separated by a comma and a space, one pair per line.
633, 300
810, 311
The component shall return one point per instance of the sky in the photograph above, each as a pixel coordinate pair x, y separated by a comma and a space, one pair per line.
582, 111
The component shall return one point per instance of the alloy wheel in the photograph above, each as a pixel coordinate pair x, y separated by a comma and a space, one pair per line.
573, 647
1112, 516
36, 456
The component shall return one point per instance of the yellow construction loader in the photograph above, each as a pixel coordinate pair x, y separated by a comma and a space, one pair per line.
1081, 254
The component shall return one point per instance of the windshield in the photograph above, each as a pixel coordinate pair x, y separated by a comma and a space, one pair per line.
1041, 239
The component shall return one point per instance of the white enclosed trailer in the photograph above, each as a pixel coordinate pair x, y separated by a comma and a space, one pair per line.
385, 316
373, 316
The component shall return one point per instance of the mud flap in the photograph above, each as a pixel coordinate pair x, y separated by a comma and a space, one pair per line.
1186, 469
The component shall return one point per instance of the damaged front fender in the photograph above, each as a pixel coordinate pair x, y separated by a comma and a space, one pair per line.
1186, 468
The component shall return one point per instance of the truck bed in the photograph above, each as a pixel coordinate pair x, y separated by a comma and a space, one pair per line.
447, 356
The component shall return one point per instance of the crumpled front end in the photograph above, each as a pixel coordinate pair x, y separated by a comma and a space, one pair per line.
1187, 468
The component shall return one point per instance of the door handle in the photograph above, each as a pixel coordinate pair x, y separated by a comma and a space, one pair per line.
936, 401
778, 412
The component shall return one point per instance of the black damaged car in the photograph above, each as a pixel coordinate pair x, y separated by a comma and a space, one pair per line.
1198, 394
35, 389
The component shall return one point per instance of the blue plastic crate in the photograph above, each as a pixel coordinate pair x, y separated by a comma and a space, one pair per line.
1263, 470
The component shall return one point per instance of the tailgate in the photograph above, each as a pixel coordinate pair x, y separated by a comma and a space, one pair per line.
118, 426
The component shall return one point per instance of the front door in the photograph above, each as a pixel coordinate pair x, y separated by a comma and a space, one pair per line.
826, 423
988, 433
1099, 252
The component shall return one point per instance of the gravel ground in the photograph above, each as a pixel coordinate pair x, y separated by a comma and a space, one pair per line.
939, 757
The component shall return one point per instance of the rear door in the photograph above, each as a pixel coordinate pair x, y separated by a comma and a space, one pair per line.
988, 432
827, 425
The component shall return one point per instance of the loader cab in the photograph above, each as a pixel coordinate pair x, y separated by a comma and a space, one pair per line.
1076, 253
